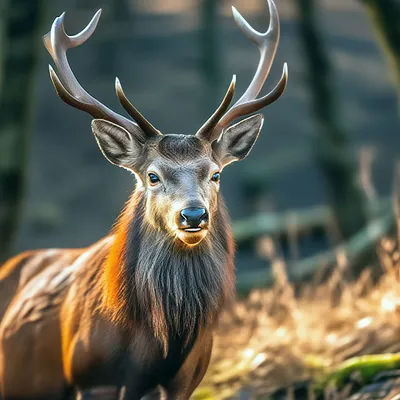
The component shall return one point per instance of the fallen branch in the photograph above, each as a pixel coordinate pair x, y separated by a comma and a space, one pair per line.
358, 245
278, 224
299, 221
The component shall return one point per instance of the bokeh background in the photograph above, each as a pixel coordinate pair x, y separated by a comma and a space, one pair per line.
175, 59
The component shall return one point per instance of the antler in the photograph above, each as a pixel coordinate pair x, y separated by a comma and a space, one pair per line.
57, 42
146, 126
210, 124
267, 43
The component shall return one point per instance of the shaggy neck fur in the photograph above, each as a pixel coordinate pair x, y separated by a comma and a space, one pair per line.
153, 279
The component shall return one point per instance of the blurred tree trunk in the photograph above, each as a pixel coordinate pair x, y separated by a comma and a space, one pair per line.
122, 10
21, 32
116, 24
385, 15
331, 144
3, 5
210, 55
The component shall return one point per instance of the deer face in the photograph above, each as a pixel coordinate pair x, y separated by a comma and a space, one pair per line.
181, 181
179, 174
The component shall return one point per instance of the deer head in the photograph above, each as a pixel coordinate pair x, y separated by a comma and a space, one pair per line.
178, 174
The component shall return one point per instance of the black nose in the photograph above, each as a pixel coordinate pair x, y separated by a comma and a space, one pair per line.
194, 216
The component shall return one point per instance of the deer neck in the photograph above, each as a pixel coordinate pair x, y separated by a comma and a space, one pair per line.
151, 279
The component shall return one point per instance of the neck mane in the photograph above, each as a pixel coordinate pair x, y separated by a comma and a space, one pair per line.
154, 280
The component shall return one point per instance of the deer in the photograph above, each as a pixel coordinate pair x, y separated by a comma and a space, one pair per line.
134, 313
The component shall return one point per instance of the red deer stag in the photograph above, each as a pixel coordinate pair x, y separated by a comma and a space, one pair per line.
136, 310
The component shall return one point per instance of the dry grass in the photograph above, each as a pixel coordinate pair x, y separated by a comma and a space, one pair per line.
275, 338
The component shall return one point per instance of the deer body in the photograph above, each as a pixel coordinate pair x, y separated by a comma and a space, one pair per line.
77, 343
136, 309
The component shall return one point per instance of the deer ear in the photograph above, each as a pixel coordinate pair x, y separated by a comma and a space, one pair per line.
236, 142
117, 145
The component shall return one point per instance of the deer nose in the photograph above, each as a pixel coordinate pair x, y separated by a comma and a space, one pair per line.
194, 216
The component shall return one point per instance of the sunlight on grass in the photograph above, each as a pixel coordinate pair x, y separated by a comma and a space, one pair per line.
328, 331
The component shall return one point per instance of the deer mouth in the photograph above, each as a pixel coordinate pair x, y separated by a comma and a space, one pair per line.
192, 236
198, 229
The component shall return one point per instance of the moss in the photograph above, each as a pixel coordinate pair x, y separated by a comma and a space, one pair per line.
366, 367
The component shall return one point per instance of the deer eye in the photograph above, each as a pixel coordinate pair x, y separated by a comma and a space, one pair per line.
153, 178
216, 177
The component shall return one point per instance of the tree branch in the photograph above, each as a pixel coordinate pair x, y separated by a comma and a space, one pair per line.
362, 242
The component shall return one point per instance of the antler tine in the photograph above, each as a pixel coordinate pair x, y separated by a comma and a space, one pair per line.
84, 34
267, 43
251, 106
69, 41
57, 42
144, 124
207, 129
